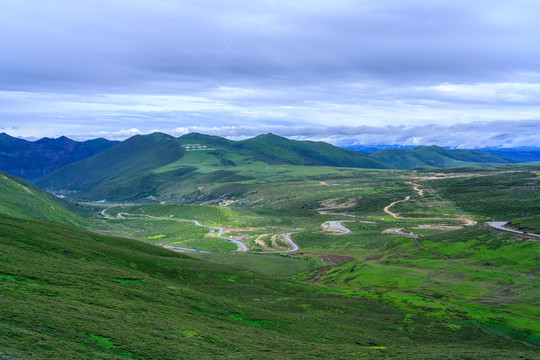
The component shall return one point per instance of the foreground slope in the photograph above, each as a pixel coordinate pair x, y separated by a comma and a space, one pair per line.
22, 199
67, 293
33, 159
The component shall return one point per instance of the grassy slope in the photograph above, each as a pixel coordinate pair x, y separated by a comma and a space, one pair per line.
132, 157
488, 277
500, 196
156, 164
72, 294
281, 150
531, 224
20, 198
409, 273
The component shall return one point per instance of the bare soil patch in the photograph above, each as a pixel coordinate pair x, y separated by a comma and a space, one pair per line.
332, 261
330, 204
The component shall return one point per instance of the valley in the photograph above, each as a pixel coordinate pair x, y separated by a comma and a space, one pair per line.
166, 252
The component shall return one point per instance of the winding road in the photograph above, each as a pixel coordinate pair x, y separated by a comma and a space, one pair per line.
292, 246
241, 245
338, 225
393, 214
500, 225
467, 221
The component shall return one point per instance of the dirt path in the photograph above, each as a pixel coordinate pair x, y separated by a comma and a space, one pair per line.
466, 219
332, 213
260, 241
438, 254
417, 188
393, 214
292, 246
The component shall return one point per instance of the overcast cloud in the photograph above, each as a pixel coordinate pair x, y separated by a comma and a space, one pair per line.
458, 73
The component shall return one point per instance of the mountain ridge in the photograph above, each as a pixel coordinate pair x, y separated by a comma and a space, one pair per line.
33, 159
144, 165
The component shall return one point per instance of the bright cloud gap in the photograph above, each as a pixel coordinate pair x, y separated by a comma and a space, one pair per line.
467, 136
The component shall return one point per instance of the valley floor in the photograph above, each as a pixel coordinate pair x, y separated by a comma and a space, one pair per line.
335, 264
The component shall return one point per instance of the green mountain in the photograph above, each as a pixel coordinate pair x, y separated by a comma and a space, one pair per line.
31, 160
71, 294
276, 149
435, 156
201, 168
136, 155
22, 199
144, 166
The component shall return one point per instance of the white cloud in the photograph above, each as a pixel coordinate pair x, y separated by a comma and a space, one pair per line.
494, 93
111, 135
77, 68
467, 136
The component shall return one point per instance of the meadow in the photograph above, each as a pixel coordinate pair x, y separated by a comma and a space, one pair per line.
68, 293
452, 272
453, 289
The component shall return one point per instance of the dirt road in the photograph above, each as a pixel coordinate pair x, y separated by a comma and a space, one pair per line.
466, 219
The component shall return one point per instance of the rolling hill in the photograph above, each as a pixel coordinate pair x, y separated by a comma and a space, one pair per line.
435, 156
144, 165
32, 160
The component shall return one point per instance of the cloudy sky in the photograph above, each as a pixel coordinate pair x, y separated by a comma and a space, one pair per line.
449, 72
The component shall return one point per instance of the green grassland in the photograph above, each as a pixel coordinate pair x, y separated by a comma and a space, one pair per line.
469, 274
502, 196
487, 277
465, 291
72, 294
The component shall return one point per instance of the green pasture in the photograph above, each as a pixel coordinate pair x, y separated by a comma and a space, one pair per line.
71, 294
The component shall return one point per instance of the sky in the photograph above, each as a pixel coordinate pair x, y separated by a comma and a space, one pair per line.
418, 72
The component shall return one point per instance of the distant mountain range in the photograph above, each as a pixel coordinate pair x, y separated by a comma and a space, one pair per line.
33, 159
435, 156
143, 164
514, 154
146, 165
